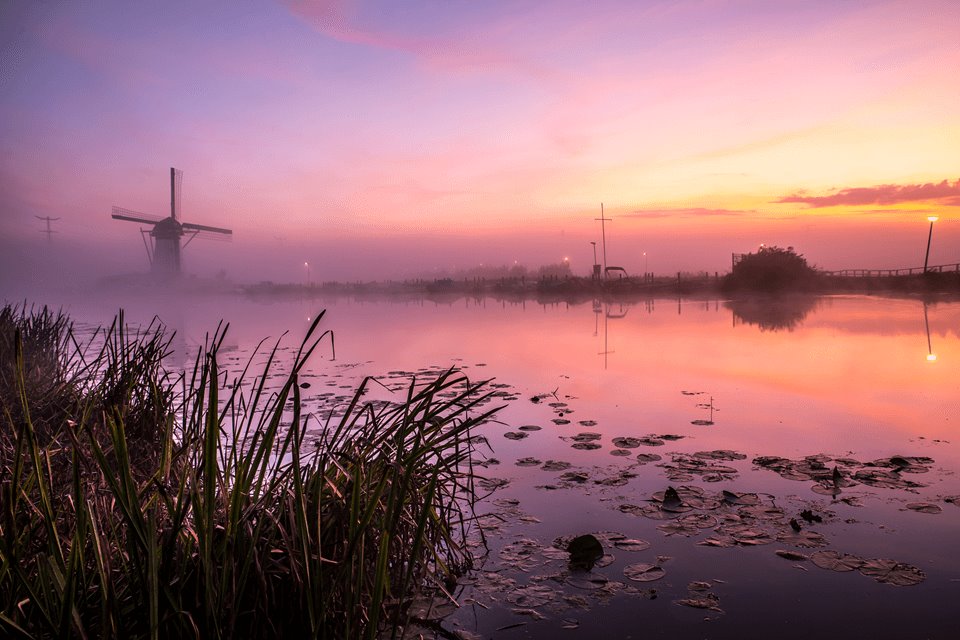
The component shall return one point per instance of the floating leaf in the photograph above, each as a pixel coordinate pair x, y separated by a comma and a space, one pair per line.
731, 497
804, 538
651, 442
836, 561
586, 446
720, 454
588, 423
626, 443
586, 436
575, 476
643, 572
555, 465
791, 555
531, 595
892, 572
515, 435
702, 423
528, 462
619, 452
631, 544
529, 427
648, 457
706, 601
924, 507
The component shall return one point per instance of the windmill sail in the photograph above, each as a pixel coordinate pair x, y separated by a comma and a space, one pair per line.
166, 232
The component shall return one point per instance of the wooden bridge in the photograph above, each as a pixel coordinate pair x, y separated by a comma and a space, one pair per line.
889, 273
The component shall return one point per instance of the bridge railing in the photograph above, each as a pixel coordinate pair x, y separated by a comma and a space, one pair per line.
889, 273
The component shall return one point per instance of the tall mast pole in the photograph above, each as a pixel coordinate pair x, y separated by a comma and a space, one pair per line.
603, 231
173, 194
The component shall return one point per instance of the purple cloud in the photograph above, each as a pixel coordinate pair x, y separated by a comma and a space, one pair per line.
883, 194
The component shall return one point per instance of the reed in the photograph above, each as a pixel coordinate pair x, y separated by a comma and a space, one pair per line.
192, 506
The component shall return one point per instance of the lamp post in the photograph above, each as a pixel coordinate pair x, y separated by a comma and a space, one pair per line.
306, 265
926, 258
646, 265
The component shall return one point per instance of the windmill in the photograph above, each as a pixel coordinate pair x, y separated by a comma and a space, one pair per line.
163, 247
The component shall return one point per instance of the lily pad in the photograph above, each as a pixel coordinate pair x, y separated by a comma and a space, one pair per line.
515, 435
651, 442
836, 561
626, 443
643, 572
791, 555
619, 452
631, 544
555, 465
892, 572
924, 507
529, 427
585, 446
643, 458
528, 462
586, 436
706, 601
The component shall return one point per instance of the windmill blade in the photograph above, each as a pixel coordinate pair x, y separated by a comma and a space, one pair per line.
202, 227
119, 213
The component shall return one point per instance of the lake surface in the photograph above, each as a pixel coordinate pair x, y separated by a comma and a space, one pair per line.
760, 400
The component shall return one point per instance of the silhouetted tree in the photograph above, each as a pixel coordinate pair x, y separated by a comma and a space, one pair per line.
771, 269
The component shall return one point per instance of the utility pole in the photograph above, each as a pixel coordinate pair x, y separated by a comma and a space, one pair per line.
926, 258
603, 231
48, 230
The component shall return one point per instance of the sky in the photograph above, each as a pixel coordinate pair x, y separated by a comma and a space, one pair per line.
379, 140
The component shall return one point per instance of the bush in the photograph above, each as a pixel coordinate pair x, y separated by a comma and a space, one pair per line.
771, 269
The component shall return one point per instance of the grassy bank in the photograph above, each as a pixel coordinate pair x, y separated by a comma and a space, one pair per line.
135, 502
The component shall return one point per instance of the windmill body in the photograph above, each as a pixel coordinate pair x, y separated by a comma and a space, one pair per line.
164, 246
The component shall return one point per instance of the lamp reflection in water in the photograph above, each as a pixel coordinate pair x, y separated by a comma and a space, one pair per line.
931, 356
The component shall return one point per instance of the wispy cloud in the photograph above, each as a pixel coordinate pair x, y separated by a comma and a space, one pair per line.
883, 194
686, 212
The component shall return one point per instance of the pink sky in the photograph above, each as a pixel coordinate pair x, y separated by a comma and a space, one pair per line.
388, 139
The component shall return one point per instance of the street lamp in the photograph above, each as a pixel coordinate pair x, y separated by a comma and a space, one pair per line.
926, 258
307, 267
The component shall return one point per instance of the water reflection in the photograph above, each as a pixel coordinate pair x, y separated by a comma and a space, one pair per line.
931, 356
773, 313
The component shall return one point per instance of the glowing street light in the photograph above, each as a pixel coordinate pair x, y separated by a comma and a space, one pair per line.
926, 258
306, 265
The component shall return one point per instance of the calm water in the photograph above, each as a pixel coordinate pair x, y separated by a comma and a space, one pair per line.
858, 379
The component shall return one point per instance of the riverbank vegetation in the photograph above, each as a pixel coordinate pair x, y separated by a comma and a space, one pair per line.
136, 502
